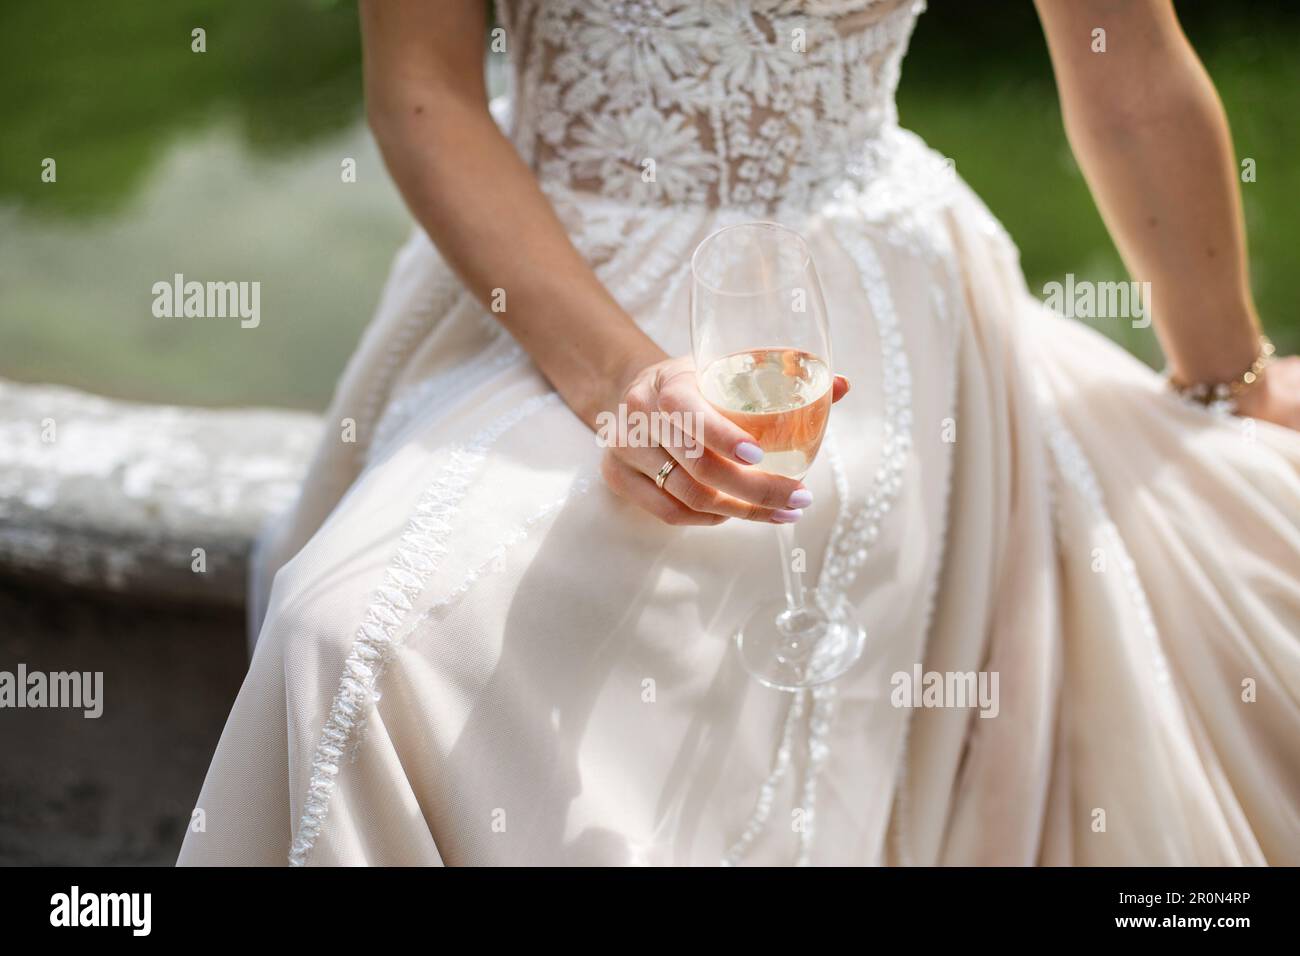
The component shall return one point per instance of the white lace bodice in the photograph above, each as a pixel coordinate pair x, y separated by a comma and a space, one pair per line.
756, 104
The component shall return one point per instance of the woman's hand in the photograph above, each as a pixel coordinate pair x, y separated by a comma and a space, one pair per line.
1276, 396
714, 478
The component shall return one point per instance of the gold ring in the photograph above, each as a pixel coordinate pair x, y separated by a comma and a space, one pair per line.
663, 473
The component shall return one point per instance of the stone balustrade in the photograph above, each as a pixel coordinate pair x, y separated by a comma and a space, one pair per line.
106, 508
153, 501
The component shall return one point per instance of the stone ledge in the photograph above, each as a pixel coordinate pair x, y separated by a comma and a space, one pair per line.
115, 496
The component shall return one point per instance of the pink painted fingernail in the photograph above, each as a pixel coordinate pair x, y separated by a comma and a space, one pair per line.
787, 515
802, 498
749, 453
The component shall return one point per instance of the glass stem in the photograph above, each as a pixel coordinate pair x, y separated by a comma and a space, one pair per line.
794, 593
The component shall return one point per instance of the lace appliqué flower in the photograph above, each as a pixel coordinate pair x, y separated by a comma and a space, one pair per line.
640, 154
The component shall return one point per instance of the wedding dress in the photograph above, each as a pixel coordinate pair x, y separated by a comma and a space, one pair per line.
473, 653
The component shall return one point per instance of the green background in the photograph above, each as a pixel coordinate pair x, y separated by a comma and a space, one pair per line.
226, 165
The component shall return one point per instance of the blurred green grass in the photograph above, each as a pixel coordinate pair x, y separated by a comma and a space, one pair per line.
225, 165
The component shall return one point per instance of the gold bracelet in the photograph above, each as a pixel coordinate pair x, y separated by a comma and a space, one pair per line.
1224, 394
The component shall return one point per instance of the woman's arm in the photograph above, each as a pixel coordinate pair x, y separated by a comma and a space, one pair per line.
428, 107
480, 204
1150, 135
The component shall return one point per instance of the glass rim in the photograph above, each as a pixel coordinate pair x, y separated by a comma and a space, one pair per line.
756, 224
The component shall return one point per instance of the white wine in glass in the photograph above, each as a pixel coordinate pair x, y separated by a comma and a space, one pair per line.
780, 396
762, 348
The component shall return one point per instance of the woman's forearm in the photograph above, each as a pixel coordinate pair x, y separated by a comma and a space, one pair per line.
485, 211
1152, 140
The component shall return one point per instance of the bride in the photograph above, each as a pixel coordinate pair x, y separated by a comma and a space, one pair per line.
491, 640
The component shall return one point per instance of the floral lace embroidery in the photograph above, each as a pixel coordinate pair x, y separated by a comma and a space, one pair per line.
761, 104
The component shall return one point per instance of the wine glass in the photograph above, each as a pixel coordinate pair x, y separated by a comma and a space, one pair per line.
762, 348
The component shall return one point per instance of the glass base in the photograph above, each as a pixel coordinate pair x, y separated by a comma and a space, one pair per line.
791, 650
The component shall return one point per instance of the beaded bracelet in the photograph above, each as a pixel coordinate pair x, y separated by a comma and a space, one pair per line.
1224, 394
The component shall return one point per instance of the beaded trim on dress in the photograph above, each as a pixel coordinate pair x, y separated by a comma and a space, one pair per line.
408, 573
418, 550
854, 533
743, 126
1077, 470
